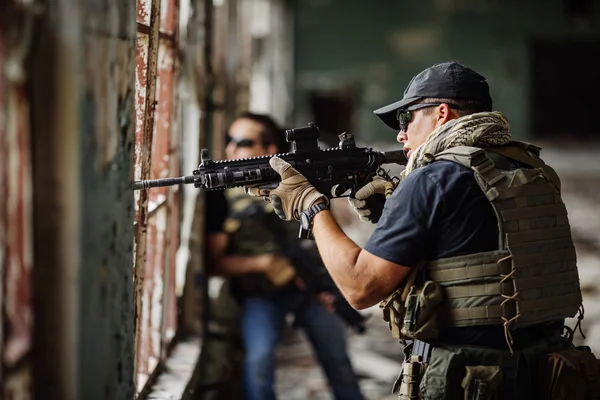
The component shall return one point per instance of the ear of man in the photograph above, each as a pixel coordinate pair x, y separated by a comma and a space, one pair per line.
444, 114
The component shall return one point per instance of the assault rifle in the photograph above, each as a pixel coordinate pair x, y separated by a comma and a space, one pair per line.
335, 172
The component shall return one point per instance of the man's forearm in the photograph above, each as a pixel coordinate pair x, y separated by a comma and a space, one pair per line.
339, 254
231, 266
363, 278
221, 263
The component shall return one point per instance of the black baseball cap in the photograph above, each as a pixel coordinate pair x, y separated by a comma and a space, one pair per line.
445, 80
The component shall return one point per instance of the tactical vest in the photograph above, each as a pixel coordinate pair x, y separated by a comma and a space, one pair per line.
247, 224
250, 231
532, 277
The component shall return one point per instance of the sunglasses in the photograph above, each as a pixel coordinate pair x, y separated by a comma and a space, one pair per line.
247, 143
404, 116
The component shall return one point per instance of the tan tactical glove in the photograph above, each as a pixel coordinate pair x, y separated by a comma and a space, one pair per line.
369, 200
293, 195
278, 270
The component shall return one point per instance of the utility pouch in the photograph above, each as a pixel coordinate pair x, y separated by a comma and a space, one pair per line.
413, 313
481, 382
392, 309
407, 384
573, 373
441, 380
421, 319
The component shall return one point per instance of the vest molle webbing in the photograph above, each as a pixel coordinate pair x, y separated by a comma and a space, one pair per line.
532, 277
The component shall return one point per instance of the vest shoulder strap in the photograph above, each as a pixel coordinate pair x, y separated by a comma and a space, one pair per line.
528, 154
476, 158
467, 156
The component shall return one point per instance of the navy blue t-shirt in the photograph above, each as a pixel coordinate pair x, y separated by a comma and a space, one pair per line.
439, 211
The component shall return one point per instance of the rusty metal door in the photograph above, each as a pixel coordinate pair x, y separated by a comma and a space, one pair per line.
157, 211
16, 256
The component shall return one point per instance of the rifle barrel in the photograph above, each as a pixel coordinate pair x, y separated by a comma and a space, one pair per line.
395, 156
150, 183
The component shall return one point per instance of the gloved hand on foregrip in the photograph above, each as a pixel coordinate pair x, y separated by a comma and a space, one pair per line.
369, 200
293, 195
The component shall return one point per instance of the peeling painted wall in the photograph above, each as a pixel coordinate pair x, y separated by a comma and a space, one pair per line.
18, 256
107, 126
87, 268
16, 239
156, 156
81, 83
379, 45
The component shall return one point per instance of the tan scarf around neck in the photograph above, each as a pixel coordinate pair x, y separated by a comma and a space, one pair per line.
480, 129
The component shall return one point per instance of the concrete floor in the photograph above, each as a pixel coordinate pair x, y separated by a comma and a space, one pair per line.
377, 356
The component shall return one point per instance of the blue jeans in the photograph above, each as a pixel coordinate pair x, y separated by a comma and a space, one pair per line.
263, 322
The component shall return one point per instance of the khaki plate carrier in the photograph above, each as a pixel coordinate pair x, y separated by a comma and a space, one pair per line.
532, 277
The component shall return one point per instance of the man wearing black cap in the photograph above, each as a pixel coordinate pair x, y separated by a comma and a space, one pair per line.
472, 259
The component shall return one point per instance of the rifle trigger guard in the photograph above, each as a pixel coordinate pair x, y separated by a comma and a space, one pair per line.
383, 173
338, 190
386, 175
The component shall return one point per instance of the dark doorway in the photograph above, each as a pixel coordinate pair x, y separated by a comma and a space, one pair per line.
566, 87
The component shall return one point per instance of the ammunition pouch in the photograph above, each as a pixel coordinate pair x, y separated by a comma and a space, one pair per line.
573, 373
484, 373
408, 382
437, 379
455, 373
413, 311
443, 375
